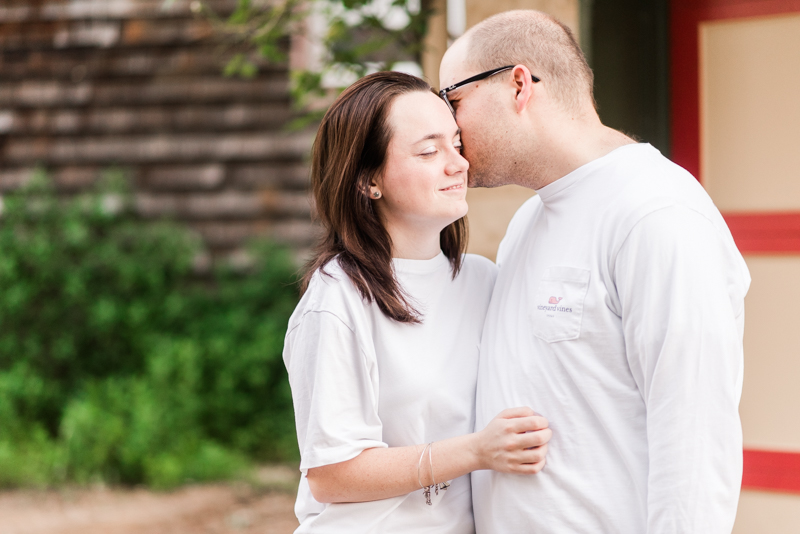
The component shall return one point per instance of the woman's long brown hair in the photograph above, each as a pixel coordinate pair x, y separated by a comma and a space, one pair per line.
349, 151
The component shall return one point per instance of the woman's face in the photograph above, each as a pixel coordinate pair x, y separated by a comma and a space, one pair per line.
424, 184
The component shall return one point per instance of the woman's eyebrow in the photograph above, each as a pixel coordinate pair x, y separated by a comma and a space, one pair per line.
437, 136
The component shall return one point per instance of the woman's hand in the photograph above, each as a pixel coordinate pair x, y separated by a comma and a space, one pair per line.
514, 442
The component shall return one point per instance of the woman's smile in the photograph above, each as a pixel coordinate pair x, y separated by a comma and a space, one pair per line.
454, 187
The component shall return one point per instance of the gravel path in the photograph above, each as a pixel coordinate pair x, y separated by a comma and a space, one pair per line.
201, 509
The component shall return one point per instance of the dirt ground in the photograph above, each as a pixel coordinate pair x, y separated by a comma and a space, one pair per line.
265, 507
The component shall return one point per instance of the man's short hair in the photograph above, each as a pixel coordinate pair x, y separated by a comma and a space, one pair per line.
540, 42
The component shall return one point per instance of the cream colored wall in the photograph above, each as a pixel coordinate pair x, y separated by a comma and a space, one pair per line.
435, 43
567, 11
767, 513
750, 121
771, 395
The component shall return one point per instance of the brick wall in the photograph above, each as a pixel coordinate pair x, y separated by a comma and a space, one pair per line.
89, 84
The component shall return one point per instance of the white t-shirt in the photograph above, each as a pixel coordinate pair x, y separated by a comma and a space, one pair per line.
618, 314
360, 380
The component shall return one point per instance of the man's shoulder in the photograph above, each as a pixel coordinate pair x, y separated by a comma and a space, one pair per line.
665, 202
647, 182
529, 206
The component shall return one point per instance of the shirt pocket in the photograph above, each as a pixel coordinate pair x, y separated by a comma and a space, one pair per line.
557, 309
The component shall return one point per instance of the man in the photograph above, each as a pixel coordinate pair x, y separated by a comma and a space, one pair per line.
619, 307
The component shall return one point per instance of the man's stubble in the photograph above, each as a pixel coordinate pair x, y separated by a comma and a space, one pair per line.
498, 159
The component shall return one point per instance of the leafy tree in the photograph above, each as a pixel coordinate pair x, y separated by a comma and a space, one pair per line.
362, 36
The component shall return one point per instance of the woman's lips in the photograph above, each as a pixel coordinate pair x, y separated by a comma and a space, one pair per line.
453, 187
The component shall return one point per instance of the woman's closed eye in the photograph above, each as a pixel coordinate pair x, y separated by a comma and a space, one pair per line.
432, 151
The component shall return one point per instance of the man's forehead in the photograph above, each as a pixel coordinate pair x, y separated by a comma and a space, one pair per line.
455, 66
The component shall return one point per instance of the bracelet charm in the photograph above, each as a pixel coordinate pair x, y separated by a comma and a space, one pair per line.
426, 490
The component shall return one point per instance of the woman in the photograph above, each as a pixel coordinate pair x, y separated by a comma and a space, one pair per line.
382, 350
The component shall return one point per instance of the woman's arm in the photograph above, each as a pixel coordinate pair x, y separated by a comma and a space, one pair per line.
513, 442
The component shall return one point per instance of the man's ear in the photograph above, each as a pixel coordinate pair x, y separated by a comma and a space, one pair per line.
523, 84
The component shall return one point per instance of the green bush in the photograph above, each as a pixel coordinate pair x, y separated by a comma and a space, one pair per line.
118, 363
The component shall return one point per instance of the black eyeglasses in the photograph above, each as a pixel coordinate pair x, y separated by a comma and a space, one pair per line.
476, 78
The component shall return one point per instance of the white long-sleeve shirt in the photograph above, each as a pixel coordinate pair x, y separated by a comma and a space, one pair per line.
618, 314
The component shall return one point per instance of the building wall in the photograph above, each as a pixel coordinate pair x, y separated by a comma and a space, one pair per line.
567, 11
137, 84
749, 163
750, 82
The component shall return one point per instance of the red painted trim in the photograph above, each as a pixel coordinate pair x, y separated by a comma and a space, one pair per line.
765, 232
684, 86
685, 16
736, 9
771, 470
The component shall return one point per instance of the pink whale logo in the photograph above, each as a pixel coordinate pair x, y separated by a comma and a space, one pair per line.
555, 300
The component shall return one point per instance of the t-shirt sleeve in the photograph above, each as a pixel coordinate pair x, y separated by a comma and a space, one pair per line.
681, 297
334, 389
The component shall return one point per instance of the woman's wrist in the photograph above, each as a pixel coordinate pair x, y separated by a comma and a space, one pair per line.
455, 457
474, 447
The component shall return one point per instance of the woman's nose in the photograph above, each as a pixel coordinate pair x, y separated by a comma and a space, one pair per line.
457, 163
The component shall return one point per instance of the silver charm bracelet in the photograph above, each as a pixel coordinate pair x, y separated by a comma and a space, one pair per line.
426, 490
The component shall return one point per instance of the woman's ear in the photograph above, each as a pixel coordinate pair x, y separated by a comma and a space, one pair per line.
374, 190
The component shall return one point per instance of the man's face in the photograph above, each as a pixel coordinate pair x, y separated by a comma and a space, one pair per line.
483, 117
